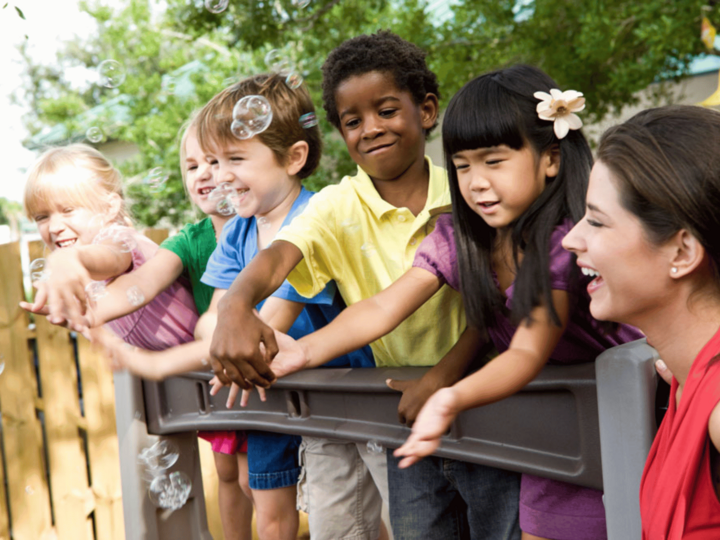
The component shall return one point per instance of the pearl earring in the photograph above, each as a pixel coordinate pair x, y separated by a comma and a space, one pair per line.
674, 270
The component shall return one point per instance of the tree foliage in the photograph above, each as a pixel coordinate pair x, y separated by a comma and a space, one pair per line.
608, 49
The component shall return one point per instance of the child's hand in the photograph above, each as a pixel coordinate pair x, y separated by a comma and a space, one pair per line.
122, 356
291, 356
237, 356
64, 289
415, 393
432, 423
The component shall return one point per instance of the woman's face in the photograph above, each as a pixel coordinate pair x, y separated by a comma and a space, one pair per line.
631, 275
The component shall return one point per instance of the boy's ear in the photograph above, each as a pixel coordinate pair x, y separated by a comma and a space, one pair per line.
687, 254
296, 157
551, 161
429, 111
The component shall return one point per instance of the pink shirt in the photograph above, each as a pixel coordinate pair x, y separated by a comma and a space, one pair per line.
166, 321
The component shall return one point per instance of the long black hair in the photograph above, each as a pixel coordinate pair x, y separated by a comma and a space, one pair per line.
495, 109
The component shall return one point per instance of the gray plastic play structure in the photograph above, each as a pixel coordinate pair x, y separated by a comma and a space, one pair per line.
589, 424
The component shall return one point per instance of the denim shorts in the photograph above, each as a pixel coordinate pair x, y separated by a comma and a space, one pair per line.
272, 459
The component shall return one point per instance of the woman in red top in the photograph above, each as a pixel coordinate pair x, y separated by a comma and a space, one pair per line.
651, 238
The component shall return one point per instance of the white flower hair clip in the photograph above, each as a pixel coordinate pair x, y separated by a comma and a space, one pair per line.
560, 108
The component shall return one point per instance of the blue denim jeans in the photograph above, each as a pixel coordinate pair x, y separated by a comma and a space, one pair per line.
272, 459
445, 499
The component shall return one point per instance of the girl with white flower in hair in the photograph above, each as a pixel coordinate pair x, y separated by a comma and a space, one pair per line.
518, 168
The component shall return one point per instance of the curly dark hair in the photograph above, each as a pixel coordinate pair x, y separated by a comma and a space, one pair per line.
383, 51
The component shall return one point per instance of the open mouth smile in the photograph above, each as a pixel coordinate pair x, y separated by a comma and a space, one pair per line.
66, 243
597, 280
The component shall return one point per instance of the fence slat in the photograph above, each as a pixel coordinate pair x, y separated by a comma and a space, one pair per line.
22, 431
103, 451
66, 455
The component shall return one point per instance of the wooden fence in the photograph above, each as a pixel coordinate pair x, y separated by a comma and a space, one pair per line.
60, 470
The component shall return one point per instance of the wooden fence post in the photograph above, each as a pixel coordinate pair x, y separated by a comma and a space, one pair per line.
22, 431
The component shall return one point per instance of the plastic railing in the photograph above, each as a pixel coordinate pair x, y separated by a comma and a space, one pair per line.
588, 424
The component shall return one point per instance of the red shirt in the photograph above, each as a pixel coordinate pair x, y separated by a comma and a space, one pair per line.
677, 498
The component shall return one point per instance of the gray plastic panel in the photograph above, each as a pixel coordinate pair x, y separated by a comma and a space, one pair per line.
627, 383
549, 429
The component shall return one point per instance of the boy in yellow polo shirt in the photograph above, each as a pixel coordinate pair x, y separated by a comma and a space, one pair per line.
363, 234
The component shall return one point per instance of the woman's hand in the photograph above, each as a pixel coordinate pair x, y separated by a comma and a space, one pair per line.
432, 423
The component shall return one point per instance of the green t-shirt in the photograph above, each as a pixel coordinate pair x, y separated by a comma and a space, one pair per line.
194, 244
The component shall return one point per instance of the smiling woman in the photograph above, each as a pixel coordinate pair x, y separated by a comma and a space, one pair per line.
649, 237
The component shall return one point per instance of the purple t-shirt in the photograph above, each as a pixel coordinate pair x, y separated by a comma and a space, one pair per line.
169, 319
548, 508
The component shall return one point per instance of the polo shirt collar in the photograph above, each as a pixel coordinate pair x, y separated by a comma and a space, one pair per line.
437, 192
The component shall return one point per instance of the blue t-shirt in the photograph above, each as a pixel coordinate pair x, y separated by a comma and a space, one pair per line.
237, 247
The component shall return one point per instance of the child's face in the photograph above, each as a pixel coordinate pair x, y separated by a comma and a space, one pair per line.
252, 169
500, 183
63, 226
198, 175
383, 128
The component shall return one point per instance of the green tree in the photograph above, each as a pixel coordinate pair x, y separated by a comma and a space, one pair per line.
178, 58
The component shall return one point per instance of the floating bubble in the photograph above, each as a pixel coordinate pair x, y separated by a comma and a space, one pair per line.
2, 367
273, 59
255, 113
308, 120
169, 85
96, 290
124, 241
221, 191
156, 179
94, 134
135, 296
368, 249
240, 130
263, 222
37, 270
112, 73
294, 80
216, 6
375, 447
29, 490
170, 491
160, 456
225, 207
301, 3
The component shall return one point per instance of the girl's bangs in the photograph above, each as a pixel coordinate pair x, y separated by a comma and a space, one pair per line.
480, 115
53, 190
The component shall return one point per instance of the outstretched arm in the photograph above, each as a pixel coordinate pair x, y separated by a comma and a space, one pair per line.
235, 355
359, 324
529, 351
70, 270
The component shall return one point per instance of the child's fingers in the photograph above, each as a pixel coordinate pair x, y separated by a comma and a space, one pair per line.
399, 385
232, 396
663, 371
261, 393
245, 397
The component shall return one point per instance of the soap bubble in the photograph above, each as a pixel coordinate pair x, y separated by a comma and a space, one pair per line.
37, 270
96, 290
375, 447
124, 241
160, 456
225, 207
221, 191
273, 59
240, 130
29, 490
112, 73
308, 120
155, 179
168, 85
216, 6
300, 3
94, 134
170, 491
368, 249
294, 80
255, 113
2, 367
263, 222
135, 296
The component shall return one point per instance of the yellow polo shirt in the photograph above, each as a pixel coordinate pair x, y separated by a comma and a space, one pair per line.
349, 234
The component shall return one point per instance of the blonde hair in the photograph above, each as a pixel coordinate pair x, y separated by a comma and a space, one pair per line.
45, 188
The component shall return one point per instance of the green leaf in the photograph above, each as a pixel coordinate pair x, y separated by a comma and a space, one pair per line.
19, 12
